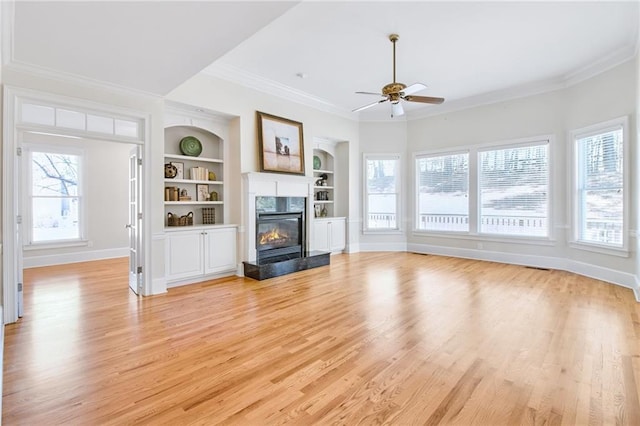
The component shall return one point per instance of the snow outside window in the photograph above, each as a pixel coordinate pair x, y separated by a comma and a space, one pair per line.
55, 201
382, 193
443, 192
514, 190
600, 188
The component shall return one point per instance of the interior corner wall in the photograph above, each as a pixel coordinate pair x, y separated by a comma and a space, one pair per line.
636, 166
386, 137
220, 95
603, 97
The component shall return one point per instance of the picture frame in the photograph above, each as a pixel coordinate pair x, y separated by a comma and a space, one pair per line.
280, 144
202, 192
180, 168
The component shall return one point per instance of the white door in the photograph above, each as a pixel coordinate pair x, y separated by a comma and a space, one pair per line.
135, 221
183, 255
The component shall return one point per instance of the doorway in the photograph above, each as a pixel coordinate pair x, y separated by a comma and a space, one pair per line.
48, 118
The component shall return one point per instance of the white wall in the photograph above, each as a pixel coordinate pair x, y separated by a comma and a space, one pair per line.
608, 95
106, 176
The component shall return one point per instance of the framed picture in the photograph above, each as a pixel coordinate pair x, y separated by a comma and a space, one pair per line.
180, 168
202, 192
280, 144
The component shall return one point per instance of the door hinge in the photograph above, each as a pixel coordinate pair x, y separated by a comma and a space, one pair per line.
18, 151
19, 286
19, 219
140, 216
139, 269
139, 161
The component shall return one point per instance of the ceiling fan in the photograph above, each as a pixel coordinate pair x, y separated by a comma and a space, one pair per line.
394, 92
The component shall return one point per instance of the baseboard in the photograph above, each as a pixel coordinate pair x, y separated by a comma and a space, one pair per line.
79, 256
612, 276
1, 358
381, 247
201, 278
158, 286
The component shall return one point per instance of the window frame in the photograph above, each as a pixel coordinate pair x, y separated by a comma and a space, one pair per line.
474, 233
27, 183
585, 132
522, 143
399, 189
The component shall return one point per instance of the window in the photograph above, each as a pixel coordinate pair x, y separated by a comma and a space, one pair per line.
513, 190
54, 196
443, 192
382, 192
600, 199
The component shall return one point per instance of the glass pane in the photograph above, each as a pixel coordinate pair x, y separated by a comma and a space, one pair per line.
98, 124
126, 128
443, 185
54, 174
70, 119
381, 176
514, 186
38, 114
602, 212
55, 219
382, 211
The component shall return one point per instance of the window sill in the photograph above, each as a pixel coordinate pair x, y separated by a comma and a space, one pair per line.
602, 249
382, 232
55, 245
539, 241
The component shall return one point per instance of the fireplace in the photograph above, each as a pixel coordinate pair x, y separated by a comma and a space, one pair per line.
280, 228
279, 236
278, 213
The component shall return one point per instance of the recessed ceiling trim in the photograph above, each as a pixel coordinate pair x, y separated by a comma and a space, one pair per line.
270, 87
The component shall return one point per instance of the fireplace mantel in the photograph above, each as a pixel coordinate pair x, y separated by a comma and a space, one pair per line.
273, 185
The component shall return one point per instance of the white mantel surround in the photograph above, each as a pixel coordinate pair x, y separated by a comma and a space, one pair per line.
273, 185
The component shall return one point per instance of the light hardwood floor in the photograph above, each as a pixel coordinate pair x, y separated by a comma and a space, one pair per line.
391, 338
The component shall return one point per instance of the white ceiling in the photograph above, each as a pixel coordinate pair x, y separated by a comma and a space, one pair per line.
464, 51
149, 46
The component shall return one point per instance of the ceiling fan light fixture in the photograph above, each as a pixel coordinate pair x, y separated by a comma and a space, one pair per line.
396, 109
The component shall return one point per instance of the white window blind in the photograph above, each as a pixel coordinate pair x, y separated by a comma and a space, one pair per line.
382, 192
514, 190
600, 188
443, 192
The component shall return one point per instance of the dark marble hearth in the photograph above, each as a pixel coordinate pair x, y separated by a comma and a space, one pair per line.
282, 265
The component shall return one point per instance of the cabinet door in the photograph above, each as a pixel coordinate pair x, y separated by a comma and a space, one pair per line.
183, 255
320, 235
337, 233
220, 250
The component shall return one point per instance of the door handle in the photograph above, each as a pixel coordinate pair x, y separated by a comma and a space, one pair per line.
128, 226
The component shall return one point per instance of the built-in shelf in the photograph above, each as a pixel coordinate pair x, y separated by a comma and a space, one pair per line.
207, 182
191, 158
192, 203
323, 187
323, 202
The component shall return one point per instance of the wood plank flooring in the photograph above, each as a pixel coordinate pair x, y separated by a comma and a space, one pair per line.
393, 338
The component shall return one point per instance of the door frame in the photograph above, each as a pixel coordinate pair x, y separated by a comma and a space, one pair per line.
11, 252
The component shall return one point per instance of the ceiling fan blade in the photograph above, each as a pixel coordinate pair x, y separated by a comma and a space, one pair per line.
396, 109
369, 93
369, 105
424, 99
414, 88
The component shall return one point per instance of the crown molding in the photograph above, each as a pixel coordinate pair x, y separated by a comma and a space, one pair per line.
70, 78
244, 78
612, 60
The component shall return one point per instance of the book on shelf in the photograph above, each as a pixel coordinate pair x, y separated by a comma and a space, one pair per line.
199, 173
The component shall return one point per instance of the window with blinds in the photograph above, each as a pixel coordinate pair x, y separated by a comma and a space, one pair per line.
513, 185
600, 188
443, 192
